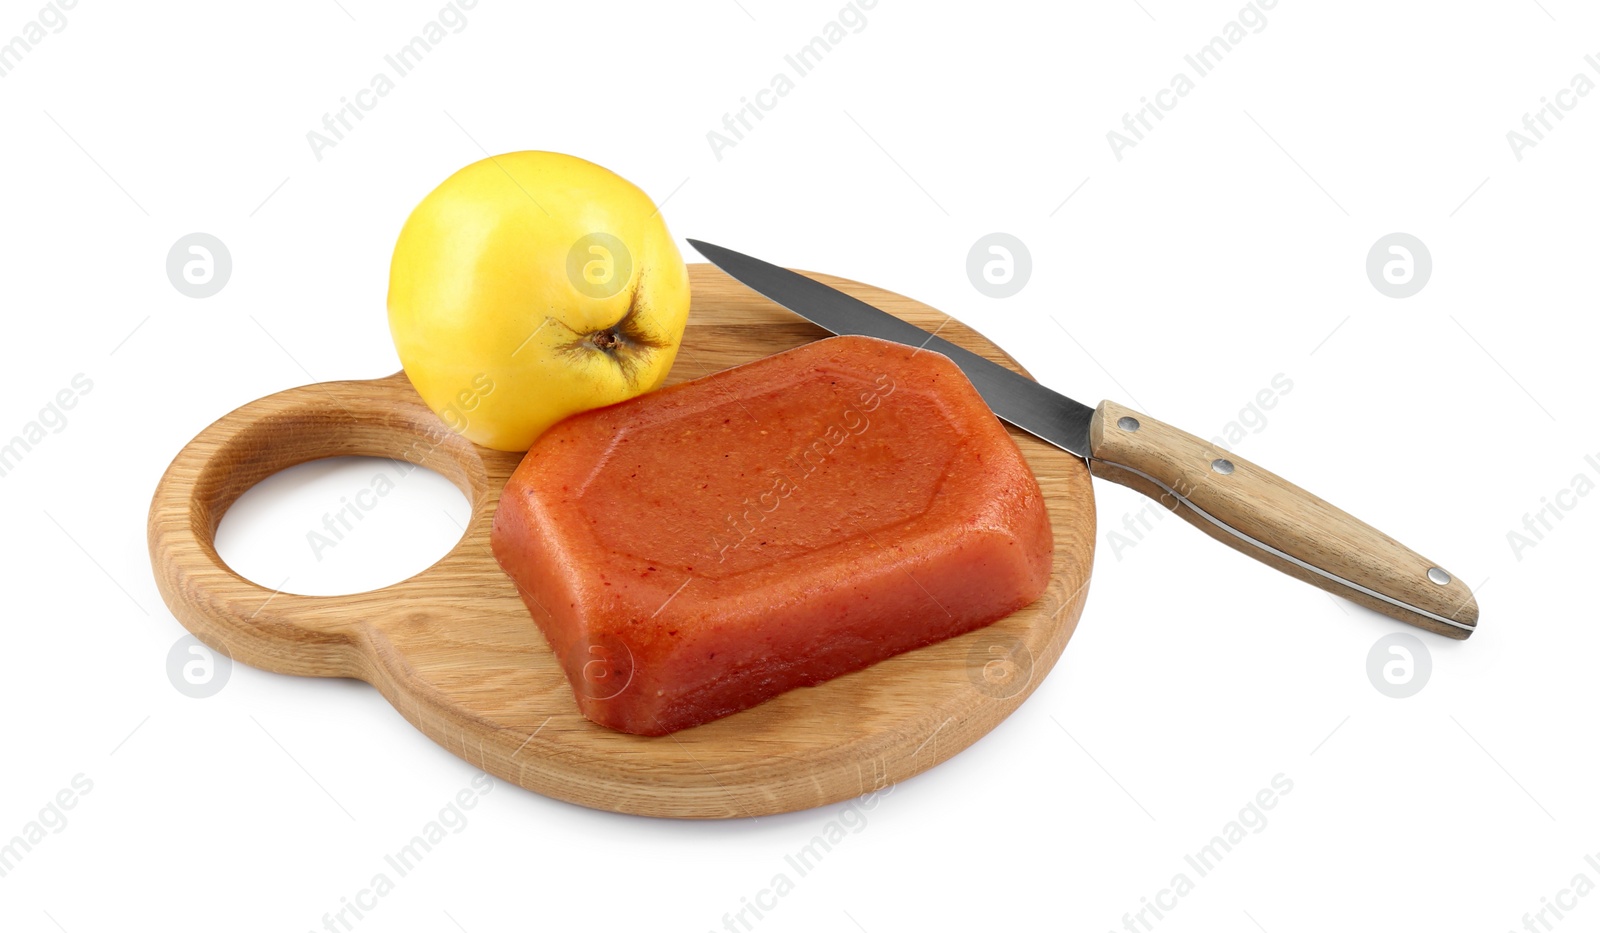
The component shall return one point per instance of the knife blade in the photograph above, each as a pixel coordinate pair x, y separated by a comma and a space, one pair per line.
1234, 501
1046, 414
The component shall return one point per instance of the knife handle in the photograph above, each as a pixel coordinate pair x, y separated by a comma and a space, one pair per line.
1276, 522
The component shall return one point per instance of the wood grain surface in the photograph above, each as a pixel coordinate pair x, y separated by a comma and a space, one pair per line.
1280, 514
455, 652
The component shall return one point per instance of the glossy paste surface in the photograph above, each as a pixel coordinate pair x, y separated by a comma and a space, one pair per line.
699, 549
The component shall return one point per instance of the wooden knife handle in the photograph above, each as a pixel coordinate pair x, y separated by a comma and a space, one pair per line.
1276, 522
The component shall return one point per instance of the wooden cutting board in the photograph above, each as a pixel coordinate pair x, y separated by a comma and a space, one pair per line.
455, 652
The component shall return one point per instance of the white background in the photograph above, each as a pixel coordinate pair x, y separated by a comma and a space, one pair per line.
1226, 248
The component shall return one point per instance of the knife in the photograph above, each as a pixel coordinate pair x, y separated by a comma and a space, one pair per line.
1229, 498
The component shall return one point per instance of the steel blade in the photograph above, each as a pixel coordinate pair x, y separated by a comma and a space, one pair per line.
1046, 414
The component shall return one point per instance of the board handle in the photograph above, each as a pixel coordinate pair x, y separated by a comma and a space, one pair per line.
308, 635
1276, 522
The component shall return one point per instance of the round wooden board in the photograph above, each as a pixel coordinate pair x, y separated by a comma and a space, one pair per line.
454, 650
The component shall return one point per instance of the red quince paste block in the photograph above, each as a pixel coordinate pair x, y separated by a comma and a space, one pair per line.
702, 548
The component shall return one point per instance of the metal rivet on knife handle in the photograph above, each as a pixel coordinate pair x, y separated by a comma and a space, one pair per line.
1128, 424
1438, 576
1222, 465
